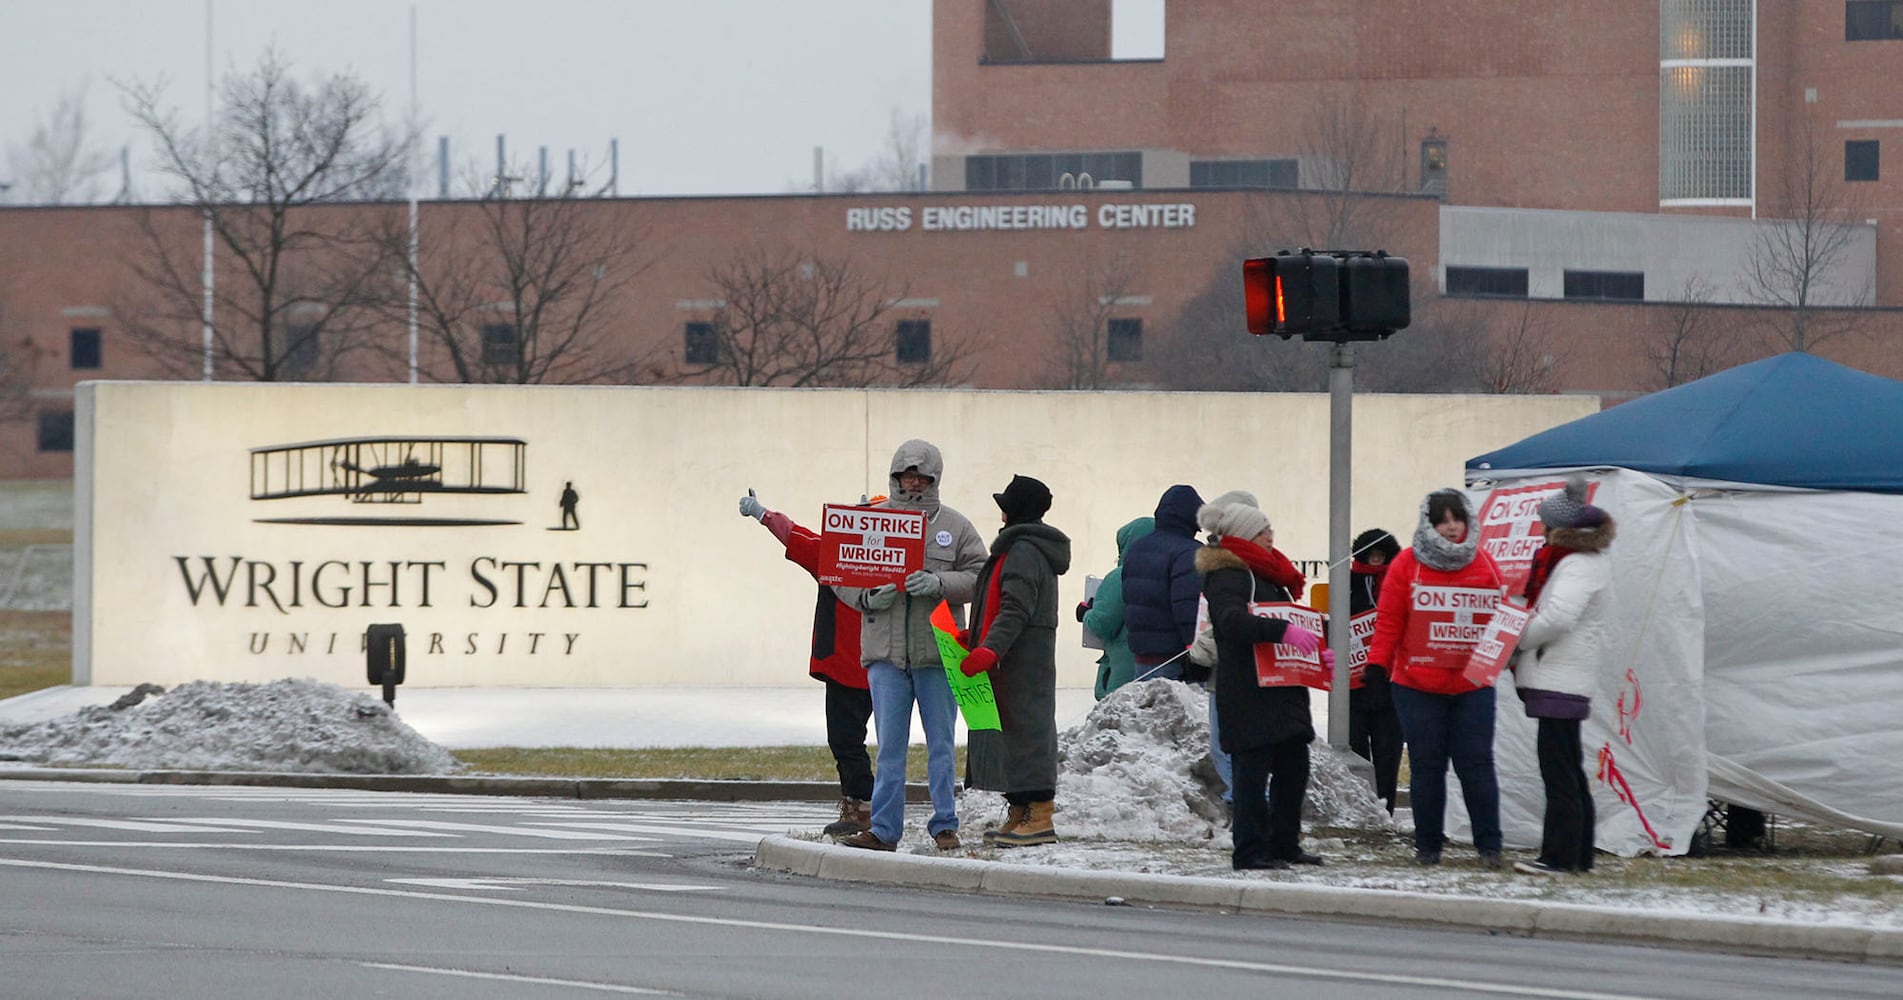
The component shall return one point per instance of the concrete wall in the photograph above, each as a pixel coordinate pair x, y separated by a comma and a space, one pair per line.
663, 583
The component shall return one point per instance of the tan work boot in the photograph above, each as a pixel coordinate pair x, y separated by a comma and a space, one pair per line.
1017, 815
1036, 828
855, 816
869, 841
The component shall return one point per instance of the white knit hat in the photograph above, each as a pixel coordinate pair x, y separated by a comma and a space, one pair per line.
1232, 520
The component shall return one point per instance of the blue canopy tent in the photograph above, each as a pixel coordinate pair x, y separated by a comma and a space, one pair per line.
1757, 603
1790, 420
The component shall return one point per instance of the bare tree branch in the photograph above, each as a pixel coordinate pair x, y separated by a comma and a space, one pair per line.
1684, 343
1796, 259
1079, 323
1525, 357
296, 285
59, 165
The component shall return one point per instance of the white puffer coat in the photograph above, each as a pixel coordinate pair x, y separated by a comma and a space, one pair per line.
1564, 644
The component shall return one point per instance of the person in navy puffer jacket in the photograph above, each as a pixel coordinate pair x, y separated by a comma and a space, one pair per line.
1161, 589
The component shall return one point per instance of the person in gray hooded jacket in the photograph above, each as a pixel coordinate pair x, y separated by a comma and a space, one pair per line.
901, 654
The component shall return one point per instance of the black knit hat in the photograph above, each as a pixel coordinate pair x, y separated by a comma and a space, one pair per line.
1373, 541
1025, 499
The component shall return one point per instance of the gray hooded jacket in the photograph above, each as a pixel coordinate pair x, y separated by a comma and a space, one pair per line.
902, 634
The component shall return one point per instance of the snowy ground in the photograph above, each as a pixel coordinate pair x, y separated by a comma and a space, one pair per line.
1136, 793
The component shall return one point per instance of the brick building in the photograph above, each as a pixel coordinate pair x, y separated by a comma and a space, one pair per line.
1580, 191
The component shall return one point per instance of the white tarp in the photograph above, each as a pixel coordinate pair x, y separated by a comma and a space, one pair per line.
1756, 658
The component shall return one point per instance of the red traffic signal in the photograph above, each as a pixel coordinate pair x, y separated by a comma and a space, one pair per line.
1292, 293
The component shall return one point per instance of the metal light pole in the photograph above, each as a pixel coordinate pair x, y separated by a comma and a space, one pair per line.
1341, 394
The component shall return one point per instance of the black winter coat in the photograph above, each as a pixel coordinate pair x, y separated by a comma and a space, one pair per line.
1022, 630
1252, 717
1364, 593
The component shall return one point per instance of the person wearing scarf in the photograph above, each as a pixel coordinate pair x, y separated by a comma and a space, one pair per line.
1374, 731
1014, 638
1558, 666
1265, 730
1444, 717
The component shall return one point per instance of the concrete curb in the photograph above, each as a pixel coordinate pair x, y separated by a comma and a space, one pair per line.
454, 784
1524, 917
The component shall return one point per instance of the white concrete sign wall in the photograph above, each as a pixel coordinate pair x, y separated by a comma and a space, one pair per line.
245, 532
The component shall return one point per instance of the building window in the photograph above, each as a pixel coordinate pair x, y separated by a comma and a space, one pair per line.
1434, 163
500, 346
1860, 162
914, 341
1707, 64
1626, 286
85, 348
1245, 173
1501, 282
1873, 20
1123, 340
56, 430
299, 359
1049, 171
702, 344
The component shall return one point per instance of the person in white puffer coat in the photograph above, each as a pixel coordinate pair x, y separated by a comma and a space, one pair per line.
1558, 667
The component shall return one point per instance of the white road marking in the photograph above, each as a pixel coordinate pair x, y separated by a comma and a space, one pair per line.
363, 831
668, 831
579, 984
512, 884
338, 848
22, 826
910, 937
142, 825
520, 831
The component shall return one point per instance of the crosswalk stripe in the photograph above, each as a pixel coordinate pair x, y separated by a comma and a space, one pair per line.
362, 831
142, 825
426, 824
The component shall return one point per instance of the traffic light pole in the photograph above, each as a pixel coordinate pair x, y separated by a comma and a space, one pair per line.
1341, 394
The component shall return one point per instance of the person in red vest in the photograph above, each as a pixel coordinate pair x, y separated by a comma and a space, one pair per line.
835, 660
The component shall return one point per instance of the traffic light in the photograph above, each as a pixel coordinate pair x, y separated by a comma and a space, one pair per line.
1292, 293
1331, 296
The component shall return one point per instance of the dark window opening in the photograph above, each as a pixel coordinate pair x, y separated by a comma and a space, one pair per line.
1860, 160
1625, 286
500, 346
1123, 340
914, 341
85, 348
1503, 282
1873, 20
702, 344
299, 357
56, 430
1050, 171
1245, 173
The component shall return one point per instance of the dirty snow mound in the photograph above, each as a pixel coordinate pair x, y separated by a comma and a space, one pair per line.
287, 725
1138, 768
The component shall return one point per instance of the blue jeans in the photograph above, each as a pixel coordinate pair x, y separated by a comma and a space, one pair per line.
894, 689
1225, 769
1443, 727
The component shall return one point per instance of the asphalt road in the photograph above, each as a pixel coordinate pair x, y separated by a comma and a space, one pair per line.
160, 891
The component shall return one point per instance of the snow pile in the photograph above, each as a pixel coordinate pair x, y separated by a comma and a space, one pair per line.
287, 725
1138, 769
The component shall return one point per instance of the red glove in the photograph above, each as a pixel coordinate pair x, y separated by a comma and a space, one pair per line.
980, 660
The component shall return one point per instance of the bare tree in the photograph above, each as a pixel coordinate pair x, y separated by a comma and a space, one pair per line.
59, 164
19, 360
1801, 258
522, 289
1524, 357
299, 274
1349, 152
792, 318
893, 168
1684, 342
1207, 345
1080, 326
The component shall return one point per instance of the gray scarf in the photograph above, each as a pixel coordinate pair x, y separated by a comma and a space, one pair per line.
1439, 553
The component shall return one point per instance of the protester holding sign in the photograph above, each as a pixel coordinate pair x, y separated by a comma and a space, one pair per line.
1103, 616
1435, 603
1374, 731
1558, 668
1014, 638
900, 651
835, 660
1265, 730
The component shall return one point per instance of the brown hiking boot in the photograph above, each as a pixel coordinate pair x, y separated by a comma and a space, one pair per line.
1017, 815
855, 816
947, 840
1036, 828
867, 840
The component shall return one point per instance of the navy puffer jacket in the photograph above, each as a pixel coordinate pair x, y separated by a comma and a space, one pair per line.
1160, 582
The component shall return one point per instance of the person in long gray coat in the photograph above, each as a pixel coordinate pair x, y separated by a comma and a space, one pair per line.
1014, 631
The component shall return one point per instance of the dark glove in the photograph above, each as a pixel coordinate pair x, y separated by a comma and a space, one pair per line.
881, 597
980, 660
1083, 606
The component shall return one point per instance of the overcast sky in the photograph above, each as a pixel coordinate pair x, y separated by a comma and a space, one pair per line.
705, 96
